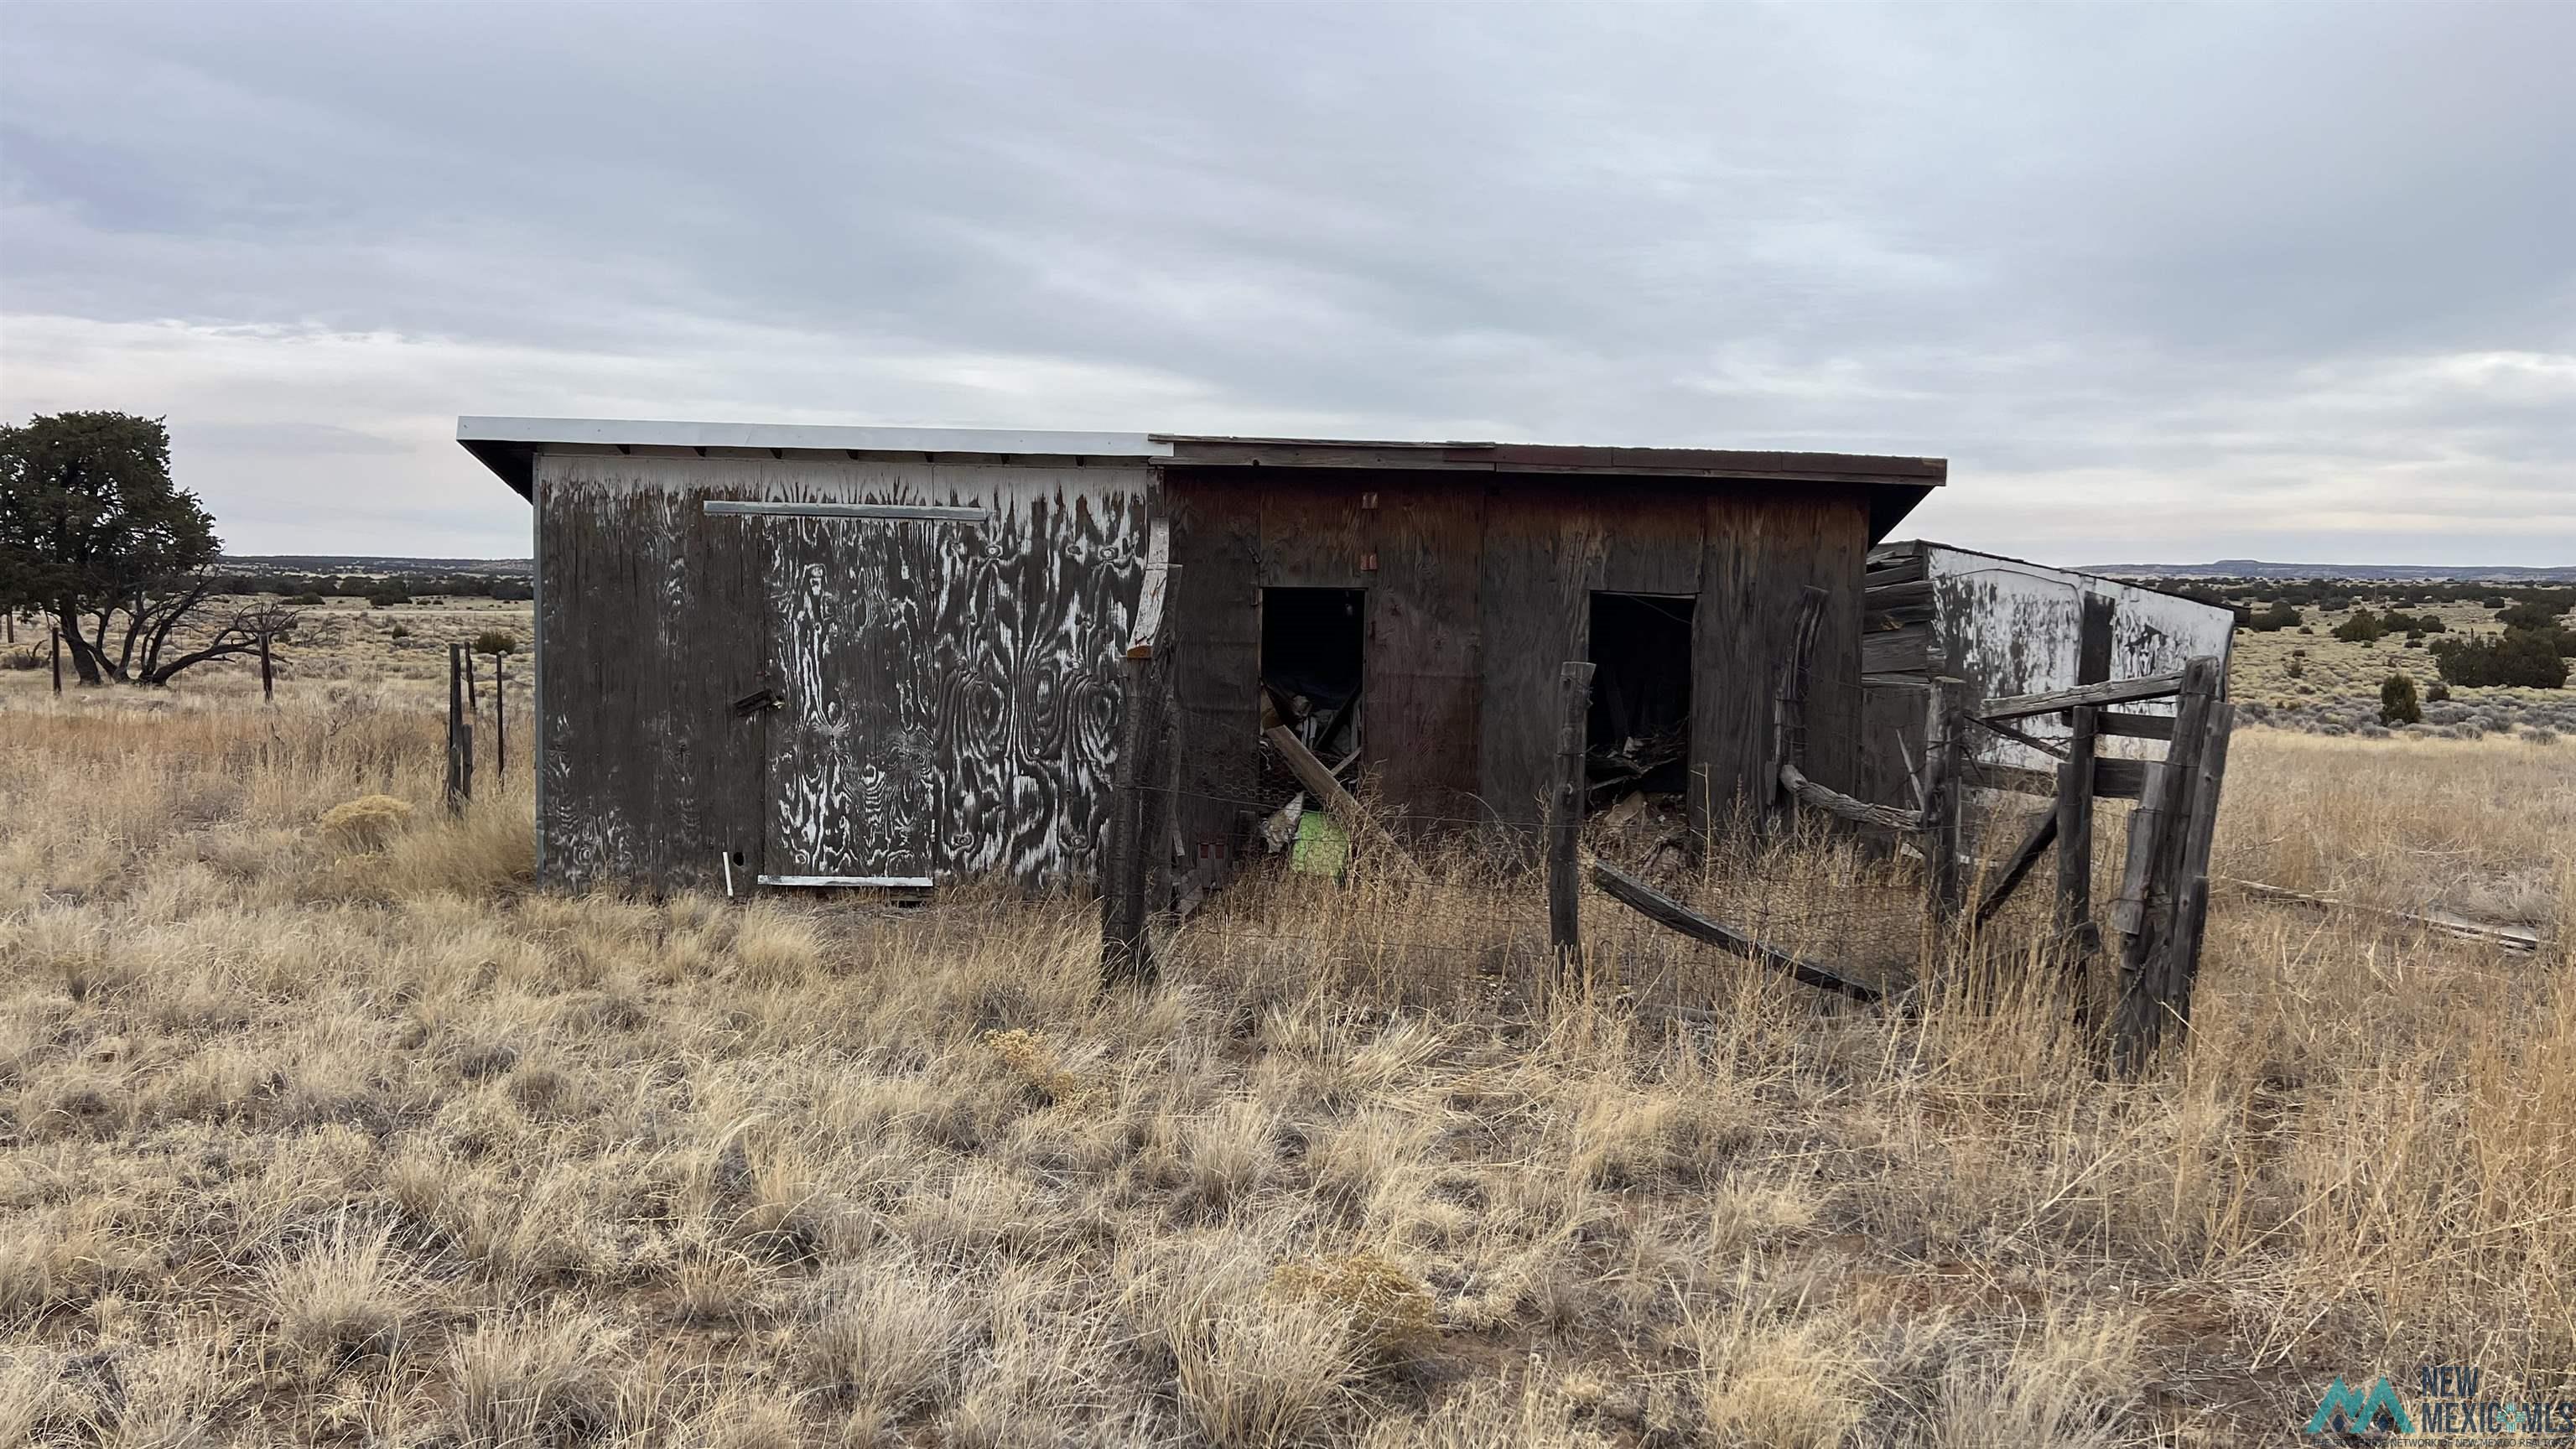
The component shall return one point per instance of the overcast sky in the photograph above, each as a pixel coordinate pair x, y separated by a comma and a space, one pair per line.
2163, 284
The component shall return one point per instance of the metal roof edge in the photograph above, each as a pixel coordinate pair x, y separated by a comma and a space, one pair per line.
1931, 543
825, 436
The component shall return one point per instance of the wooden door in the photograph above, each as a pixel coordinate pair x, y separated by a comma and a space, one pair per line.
853, 782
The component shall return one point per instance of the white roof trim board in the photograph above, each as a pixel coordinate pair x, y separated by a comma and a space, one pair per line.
637, 434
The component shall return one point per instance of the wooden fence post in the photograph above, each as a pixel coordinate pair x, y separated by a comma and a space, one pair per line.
1126, 937
267, 677
500, 733
460, 737
2176, 970
1126, 947
2159, 836
2075, 792
58, 663
1565, 823
1944, 762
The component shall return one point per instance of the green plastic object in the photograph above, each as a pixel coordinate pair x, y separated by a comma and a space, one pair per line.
1322, 848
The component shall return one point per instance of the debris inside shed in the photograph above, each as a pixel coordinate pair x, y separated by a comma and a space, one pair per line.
1637, 734
1311, 658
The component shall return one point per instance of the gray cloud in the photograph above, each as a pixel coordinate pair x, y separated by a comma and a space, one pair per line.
2284, 281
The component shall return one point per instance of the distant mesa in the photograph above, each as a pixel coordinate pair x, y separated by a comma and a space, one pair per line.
2254, 568
371, 563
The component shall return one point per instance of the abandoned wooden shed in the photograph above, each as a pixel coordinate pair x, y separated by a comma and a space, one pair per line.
2008, 627
826, 655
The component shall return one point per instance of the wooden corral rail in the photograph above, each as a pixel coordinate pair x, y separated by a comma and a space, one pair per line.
2117, 691
2161, 914
1664, 910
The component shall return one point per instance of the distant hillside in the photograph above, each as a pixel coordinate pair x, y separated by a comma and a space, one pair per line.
2249, 568
368, 563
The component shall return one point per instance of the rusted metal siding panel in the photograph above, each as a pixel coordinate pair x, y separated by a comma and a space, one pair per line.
997, 647
2009, 627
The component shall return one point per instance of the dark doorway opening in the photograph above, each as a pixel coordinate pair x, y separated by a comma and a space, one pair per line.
1311, 667
1637, 736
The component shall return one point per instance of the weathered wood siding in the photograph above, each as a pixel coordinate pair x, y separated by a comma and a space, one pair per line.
1480, 590
2010, 627
1765, 547
948, 691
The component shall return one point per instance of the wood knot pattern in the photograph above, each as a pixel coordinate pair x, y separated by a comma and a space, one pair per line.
948, 692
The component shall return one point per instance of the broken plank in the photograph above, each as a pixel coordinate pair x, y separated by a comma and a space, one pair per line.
1337, 802
2033, 846
2511, 938
1896, 651
1843, 807
2117, 691
1148, 628
1662, 909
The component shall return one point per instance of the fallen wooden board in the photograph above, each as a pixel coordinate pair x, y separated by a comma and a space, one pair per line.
2512, 938
1337, 802
1843, 807
1662, 909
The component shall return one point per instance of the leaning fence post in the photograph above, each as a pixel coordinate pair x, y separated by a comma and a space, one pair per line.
2159, 841
1565, 823
500, 734
1126, 939
1944, 762
2075, 791
460, 747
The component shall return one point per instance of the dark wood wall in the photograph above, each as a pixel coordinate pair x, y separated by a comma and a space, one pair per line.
1480, 588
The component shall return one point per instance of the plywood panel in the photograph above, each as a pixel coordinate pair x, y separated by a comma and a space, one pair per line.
1549, 543
996, 745
614, 573
1311, 530
1533, 584
1423, 654
1216, 612
853, 774
1764, 548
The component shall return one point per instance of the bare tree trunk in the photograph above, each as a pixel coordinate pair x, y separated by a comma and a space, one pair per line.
84, 658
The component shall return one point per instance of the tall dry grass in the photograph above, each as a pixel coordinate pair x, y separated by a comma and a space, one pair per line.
2482, 828
324, 1134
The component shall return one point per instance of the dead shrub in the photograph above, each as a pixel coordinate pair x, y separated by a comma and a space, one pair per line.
369, 822
1387, 1308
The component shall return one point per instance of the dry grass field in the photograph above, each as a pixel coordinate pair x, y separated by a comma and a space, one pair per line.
343, 1133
